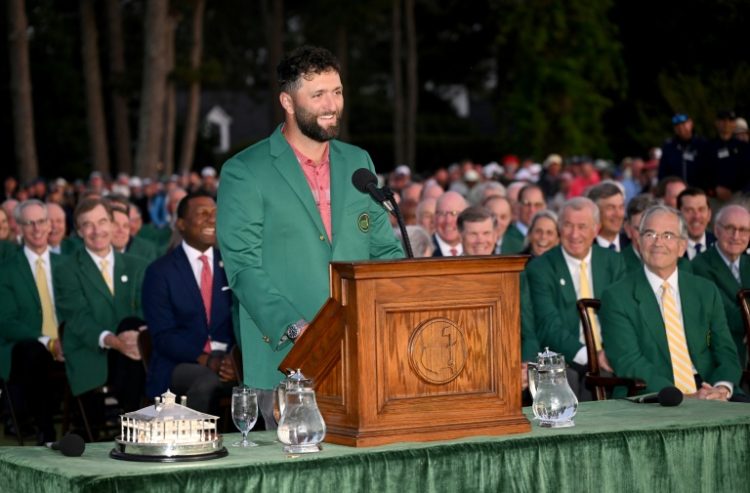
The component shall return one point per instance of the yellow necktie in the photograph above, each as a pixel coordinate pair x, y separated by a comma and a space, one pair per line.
49, 322
586, 293
682, 367
105, 274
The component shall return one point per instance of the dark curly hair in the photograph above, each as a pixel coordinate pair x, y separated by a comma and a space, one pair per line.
303, 61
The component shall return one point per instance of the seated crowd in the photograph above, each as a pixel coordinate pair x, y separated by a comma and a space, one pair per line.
88, 267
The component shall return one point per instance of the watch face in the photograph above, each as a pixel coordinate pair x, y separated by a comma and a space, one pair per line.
292, 331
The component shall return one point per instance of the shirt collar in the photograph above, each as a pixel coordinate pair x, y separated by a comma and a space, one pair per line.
32, 255
575, 262
656, 282
445, 247
194, 254
701, 240
110, 257
726, 260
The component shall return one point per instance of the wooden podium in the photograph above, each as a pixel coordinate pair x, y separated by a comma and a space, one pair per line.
414, 350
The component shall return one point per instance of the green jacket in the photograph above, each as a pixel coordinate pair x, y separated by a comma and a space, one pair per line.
276, 251
512, 240
554, 298
145, 249
710, 265
20, 308
88, 308
636, 342
8, 249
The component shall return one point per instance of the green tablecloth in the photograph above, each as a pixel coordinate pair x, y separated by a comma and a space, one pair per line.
615, 446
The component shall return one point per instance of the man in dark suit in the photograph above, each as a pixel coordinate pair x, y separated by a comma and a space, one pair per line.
447, 238
188, 312
728, 266
666, 326
694, 207
100, 300
29, 343
610, 199
575, 269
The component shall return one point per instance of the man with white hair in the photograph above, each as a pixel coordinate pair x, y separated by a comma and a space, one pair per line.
666, 326
447, 238
577, 268
728, 266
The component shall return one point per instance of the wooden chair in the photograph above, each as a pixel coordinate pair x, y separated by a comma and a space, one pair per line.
599, 383
743, 298
145, 347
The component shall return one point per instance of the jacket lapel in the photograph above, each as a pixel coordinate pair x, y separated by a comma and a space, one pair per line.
691, 304
338, 189
91, 271
598, 271
724, 277
288, 167
651, 315
26, 277
567, 288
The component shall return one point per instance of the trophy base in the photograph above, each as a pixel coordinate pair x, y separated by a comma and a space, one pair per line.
302, 449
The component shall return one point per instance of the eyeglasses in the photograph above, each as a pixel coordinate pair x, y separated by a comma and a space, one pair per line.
447, 213
38, 223
653, 235
732, 230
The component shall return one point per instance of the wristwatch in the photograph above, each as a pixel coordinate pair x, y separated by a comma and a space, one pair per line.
294, 330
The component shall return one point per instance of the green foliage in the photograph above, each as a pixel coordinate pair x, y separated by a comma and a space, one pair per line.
559, 71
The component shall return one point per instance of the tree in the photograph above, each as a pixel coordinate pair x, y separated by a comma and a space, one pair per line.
151, 119
274, 22
399, 135
20, 88
170, 103
559, 70
97, 127
120, 113
190, 131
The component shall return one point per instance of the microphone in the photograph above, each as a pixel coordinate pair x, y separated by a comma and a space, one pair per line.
71, 445
366, 182
667, 397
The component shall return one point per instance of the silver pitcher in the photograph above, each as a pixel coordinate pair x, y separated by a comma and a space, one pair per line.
555, 404
301, 425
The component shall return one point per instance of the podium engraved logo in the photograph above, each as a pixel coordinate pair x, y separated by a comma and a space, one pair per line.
437, 350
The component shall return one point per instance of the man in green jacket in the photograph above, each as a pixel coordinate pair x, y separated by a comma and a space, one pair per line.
666, 326
29, 342
286, 209
728, 266
575, 269
100, 301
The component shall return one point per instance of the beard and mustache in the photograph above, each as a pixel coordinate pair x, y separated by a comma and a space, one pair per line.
307, 121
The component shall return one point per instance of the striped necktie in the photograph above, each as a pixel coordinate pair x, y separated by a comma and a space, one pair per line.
682, 366
49, 323
104, 266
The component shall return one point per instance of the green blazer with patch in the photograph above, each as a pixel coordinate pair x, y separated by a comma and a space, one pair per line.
554, 298
530, 346
710, 265
20, 308
635, 339
276, 251
88, 308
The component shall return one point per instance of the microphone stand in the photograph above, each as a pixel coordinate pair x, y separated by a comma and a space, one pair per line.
401, 226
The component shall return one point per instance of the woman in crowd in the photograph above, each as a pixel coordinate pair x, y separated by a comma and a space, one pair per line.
543, 234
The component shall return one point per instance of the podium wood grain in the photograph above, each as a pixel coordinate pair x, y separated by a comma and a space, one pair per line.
414, 350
